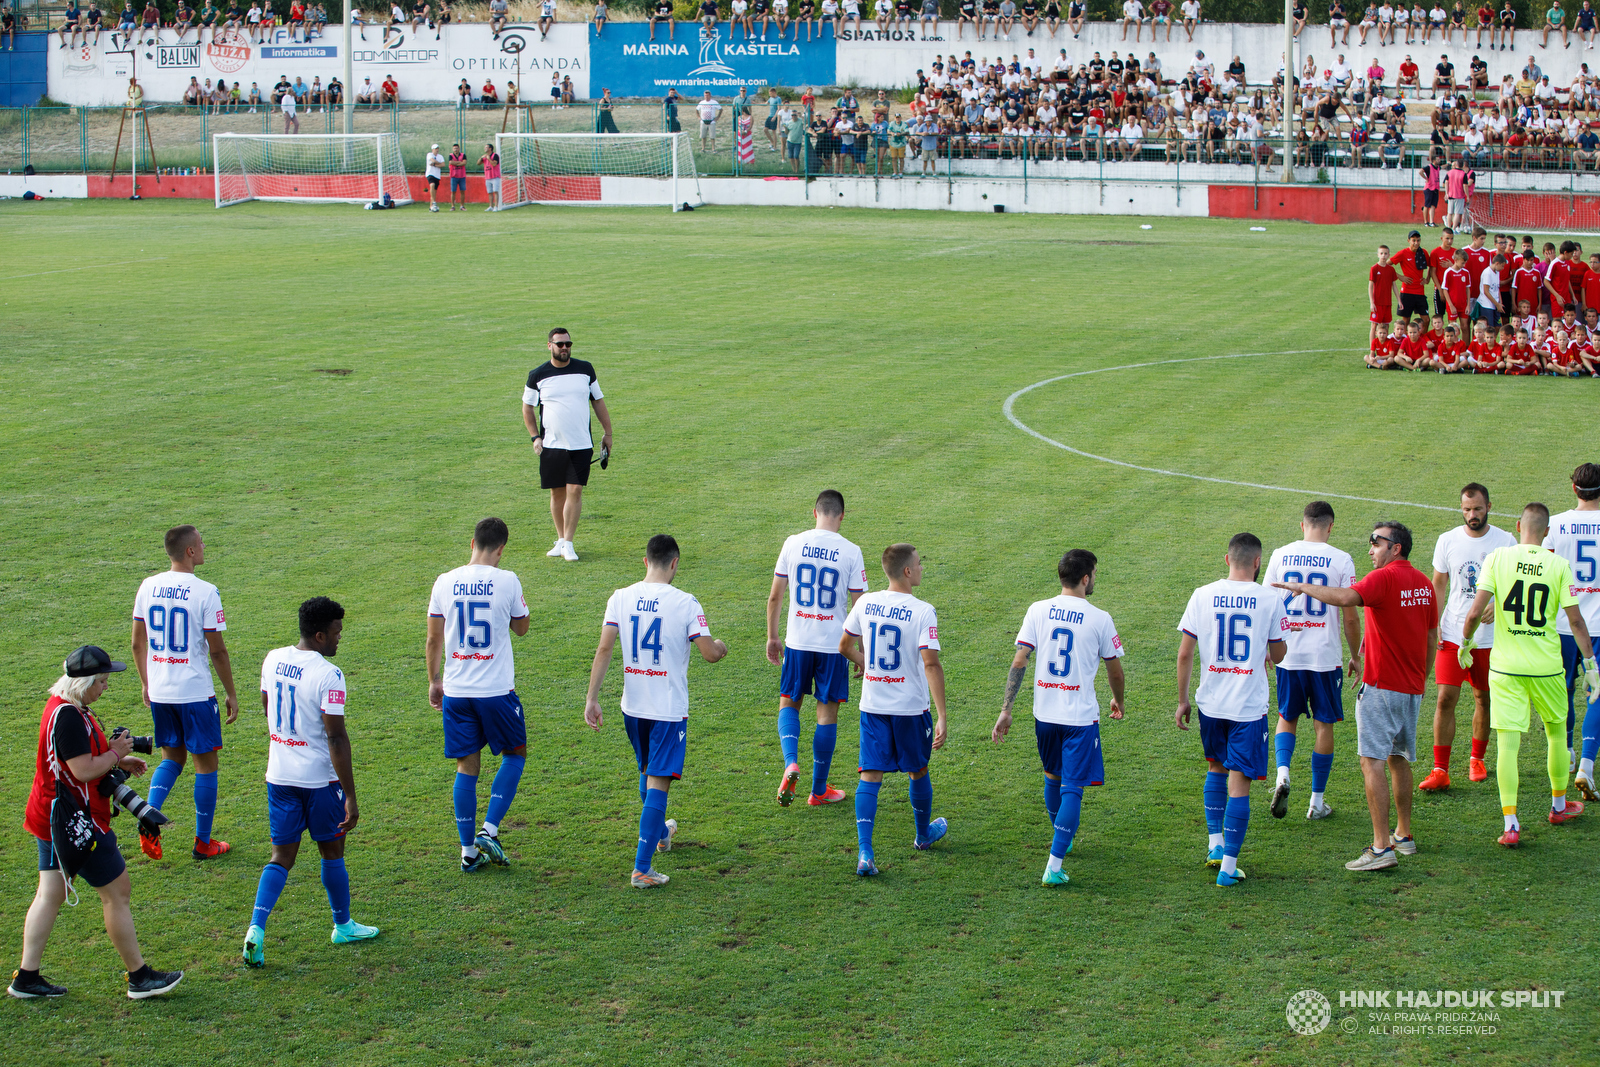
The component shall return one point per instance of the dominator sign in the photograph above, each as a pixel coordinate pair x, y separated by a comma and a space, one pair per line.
628, 63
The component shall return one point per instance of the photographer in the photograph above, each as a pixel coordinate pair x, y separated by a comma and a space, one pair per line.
72, 787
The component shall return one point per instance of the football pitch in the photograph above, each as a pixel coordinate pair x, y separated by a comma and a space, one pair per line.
168, 364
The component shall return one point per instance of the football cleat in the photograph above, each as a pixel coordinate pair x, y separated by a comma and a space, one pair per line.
489, 845
1476, 771
204, 850
255, 947
832, 796
1405, 846
1511, 837
1573, 809
786, 788
1280, 799
1214, 857
1437, 781
150, 843
476, 863
1055, 878
1586, 787
936, 830
649, 879
1319, 811
32, 988
665, 844
346, 932
1226, 879
865, 868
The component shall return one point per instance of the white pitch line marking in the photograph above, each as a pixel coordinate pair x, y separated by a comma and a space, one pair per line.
1030, 431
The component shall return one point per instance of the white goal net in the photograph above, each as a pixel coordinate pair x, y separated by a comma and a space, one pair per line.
310, 168
597, 168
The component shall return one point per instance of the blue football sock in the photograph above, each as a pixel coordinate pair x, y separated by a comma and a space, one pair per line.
652, 827
162, 781
789, 734
1067, 817
1235, 824
1572, 718
465, 796
1216, 800
1591, 731
866, 814
643, 786
1283, 744
205, 804
273, 876
822, 745
921, 790
504, 789
336, 880
1321, 767
1052, 797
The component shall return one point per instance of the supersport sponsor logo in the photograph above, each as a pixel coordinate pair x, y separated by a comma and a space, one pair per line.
169, 659
1303, 625
1063, 686
291, 742
814, 616
885, 678
644, 671
472, 655
1229, 670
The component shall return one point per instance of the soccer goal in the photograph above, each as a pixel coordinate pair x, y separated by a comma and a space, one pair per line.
311, 168
597, 168
1518, 211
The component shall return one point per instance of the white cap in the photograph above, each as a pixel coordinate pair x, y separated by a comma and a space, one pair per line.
435, 146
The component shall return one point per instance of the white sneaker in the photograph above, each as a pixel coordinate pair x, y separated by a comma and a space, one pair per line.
569, 553
433, 207
555, 549
1319, 811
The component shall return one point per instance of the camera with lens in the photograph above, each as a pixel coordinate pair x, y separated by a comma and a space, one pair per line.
114, 784
145, 746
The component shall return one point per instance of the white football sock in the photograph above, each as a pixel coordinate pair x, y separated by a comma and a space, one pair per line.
1558, 804
1213, 841
1230, 864
1316, 800
1511, 823
469, 852
1053, 865
1283, 774
491, 829
1586, 768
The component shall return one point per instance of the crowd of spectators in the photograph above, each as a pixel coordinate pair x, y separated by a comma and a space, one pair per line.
1494, 311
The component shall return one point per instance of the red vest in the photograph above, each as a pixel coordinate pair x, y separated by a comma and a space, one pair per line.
46, 769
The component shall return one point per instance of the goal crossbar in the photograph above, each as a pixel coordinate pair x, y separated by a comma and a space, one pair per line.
310, 168
597, 168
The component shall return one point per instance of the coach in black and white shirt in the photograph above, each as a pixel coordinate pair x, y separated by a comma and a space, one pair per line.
555, 408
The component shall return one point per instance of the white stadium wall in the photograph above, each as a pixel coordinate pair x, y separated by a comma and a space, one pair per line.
425, 69
429, 70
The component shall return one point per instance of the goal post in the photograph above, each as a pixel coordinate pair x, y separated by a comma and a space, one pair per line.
653, 169
311, 168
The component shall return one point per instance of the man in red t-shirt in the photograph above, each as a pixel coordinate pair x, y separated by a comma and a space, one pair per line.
1559, 280
1413, 266
1408, 76
1381, 278
1478, 257
1440, 260
391, 89
1402, 634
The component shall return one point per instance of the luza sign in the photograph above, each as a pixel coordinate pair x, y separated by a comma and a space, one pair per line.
627, 62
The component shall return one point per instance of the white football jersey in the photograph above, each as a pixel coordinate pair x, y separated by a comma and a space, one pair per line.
1233, 623
1461, 557
301, 687
1575, 537
823, 569
178, 610
1314, 627
894, 629
1070, 636
656, 626
477, 603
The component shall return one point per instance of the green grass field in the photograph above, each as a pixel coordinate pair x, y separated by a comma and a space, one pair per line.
164, 368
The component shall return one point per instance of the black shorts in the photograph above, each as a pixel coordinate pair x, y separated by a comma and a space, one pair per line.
1413, 304
1430, 198
433, 181
561, 467
1438, 303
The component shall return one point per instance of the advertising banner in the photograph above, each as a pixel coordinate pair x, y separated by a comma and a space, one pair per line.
628, 63
428, 65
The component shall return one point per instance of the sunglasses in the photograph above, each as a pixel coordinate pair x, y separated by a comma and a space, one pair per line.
562, 344
1375, 538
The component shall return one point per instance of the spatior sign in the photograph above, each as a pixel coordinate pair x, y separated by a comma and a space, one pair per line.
722, 59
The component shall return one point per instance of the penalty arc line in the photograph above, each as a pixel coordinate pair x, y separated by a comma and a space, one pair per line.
92, 266
1011, 416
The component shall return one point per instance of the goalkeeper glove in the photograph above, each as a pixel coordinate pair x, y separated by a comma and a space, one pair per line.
1464, 653
1591, 679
